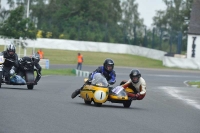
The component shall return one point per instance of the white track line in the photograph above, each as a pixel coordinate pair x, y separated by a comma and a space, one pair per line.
176, 94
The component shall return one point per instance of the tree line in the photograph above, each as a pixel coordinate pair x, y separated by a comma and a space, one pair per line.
114, 21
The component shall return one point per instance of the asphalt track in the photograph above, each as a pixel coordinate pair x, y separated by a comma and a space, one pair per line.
170, 106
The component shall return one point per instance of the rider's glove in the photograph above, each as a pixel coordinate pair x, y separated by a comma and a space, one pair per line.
88, 81
137, 95
12, 72
110, 82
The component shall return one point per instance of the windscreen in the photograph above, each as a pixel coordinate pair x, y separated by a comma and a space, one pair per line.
99, 80
119, 91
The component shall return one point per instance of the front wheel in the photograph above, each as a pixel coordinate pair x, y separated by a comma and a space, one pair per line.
29, 76
97, 104
87, 102
127, 104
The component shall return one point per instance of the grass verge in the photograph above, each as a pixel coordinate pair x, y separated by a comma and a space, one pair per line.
97, 58
194, 83
69, 72
56, 56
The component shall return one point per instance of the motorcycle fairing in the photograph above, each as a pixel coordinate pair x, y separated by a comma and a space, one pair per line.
96, 93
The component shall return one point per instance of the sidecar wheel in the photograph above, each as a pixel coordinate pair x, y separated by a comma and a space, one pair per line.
87, 102
97, 104
30, 87
127, 104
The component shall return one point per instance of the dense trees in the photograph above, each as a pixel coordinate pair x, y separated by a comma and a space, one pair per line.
174, 20
79, 19
90, 20
17, 27
116, 21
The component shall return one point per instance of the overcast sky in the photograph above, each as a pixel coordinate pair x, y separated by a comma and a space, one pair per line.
3, 3
146, 8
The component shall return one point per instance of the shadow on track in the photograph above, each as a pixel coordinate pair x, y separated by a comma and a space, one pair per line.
14, 88
115, 105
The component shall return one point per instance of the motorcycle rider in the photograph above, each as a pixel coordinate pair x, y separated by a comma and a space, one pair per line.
11, 59
137, 84
106, 70
23, 66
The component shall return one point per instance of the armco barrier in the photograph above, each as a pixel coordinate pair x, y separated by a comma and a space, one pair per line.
44, 63
82, 73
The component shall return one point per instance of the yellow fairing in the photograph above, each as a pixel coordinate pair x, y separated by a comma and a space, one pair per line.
95, 93
114, 97
129, 90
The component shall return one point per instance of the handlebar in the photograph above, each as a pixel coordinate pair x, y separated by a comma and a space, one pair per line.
9, 60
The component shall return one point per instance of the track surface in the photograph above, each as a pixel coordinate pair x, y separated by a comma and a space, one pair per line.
170, 106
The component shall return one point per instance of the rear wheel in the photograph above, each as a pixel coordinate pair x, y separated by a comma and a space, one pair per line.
127, 104
1, 73
87, 102
30, 87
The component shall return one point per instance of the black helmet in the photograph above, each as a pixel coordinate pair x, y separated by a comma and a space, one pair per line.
36, 58
108, 62
135, 73
10, 49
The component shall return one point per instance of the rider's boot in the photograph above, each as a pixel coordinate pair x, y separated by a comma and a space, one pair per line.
75, 93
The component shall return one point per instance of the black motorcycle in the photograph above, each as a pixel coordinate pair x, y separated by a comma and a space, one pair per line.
26, 72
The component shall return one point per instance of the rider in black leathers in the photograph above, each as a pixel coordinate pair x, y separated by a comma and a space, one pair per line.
106, 70
33, 65
11, 59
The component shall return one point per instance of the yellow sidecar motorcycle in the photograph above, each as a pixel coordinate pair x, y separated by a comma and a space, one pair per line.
99, 92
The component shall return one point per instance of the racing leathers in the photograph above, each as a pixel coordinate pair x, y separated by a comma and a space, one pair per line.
109, 75
26, 63
139, 89
9, 62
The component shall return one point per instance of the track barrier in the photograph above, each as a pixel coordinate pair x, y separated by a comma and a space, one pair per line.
81, 73
44, 63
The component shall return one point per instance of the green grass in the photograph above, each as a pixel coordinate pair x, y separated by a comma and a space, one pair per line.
196, 83
97, 58
94, 58
56, 56
69, 72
